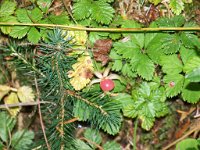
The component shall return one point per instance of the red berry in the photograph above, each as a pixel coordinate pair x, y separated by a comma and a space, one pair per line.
107, 85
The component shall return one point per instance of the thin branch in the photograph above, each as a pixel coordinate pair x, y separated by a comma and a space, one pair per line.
22, 104
180, 139
91, 142
102, 29
72, 93
40, 115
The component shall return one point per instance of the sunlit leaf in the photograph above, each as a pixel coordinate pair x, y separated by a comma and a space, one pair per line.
7, 8
4, 89
194, 76
25, 94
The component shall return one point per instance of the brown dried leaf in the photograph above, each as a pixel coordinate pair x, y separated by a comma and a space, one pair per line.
101, 50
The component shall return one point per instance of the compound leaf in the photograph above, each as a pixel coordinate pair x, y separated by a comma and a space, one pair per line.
34, 35
19, 31
102, 12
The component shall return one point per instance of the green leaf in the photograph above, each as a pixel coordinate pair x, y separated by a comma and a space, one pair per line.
187, 54
111, 146
119, 87
194, 76
192, 64
102, 12
44, 5
35, 15
191, 92
82, 9
6, 126
7, 8
94, 136
115, 36
147, 122
137, 38
62, 19
171, 64
171, 44
22, 16
176, 6
7, 29
173, 84
176, 21
82, 145
34, 35
126, 49
19, 31
127, 71
155, 2
188, 144
22, 140
190, 40
124, 98
143, 66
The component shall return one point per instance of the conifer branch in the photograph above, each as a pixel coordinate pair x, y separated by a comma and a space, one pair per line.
103, 29
72, 93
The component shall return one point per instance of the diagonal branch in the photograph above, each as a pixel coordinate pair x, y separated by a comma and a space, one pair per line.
72, 93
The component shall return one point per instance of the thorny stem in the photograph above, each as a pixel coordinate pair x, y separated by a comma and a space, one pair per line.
91, 142
72, 93
102, 29
40, 115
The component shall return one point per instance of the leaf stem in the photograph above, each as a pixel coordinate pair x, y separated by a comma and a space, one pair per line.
135, 135
102, 29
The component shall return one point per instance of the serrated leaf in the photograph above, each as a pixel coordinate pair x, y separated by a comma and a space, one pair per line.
7, 8
190, 40
171, 44
143, 66
4, 89
194, 76
22, 16
19, 31
191, 92
111, 146
115, 36
171, 64
127, 71
44, 5
147, 123
176, 21
7, 124
176, 6
7, 29
25, 94
94, 136
173, 84
82, 9
187, 54
117, 65
33, 35
62, 19
12, 99
82, 145
192, 64
102, 12
22, 140
35, 15
124, 98
126, 49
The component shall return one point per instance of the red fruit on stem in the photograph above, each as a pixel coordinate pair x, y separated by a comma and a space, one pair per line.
107, 85
172, 84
